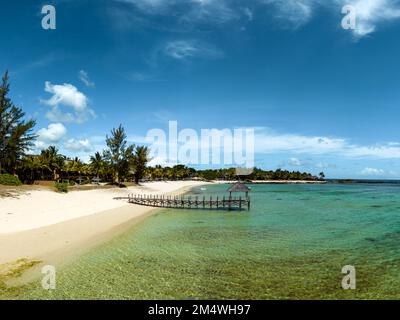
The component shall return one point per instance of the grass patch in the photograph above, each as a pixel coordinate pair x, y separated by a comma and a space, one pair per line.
61, 187
9, 180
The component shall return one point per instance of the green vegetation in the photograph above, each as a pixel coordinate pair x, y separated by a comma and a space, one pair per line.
61, 187
139, 161
181, 172
9, 180
118, 155
15, 133
120, 162
52, 160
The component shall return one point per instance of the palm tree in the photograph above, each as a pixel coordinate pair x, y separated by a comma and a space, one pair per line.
53, 160
157, 173
33, 164
97, 163
139, 161
78, 166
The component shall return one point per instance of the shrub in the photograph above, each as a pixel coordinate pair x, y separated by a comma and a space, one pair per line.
61, 187
9, 180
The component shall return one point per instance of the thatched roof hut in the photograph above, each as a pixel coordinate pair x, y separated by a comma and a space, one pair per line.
239, 187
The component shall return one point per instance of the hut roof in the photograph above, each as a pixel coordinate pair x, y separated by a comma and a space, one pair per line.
239, 187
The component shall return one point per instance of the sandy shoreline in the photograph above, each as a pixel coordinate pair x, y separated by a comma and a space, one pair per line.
50, 227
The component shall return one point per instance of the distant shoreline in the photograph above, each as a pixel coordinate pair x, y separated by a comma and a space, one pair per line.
327, 181
285, 182
272, 182
363, 181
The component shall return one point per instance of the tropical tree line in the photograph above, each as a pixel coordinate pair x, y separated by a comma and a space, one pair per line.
119, 162
180, 172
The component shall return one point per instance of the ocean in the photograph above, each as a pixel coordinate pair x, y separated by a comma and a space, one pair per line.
292, 244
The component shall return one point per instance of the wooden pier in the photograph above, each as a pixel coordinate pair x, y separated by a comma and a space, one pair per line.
190, 202
195, 202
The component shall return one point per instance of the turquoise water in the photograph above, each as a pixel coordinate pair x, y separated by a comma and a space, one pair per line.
291, 245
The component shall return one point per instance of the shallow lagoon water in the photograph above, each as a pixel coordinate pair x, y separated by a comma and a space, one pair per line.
291, 245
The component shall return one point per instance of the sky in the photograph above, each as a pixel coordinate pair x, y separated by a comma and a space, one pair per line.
319, 97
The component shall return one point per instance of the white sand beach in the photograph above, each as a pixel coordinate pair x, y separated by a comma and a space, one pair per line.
48, 225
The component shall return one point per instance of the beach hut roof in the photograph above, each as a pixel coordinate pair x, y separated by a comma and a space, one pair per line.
239, 187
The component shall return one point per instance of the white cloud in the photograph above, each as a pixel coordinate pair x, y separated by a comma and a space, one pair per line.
372, 172
268, 141
84, 77
75, 145
216, 11
67, 95
53, 134
185, 49
152, 6
307, 163
290, 13
370, 13
384, 151
160, 161
295, 12
295, 162
248, 13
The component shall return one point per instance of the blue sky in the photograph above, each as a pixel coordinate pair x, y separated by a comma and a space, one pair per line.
320, 97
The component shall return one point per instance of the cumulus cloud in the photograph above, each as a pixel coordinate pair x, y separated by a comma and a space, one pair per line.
75, 145
67, 95
84, 77
50, 135
53, 133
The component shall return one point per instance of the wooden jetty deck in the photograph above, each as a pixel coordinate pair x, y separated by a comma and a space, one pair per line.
190, 202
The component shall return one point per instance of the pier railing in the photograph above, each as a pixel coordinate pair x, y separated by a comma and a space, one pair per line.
190, 202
